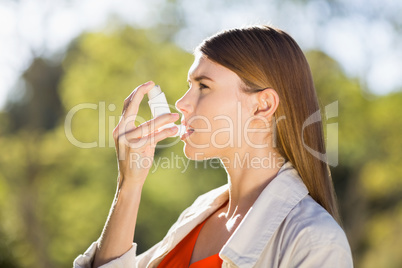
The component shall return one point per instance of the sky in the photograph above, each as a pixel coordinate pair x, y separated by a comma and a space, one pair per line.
361, 39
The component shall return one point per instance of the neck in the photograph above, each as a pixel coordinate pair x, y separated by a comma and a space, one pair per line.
248, 174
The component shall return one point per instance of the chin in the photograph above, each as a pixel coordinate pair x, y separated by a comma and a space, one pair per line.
196, 154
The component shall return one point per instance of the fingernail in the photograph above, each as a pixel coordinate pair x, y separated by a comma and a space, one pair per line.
175, 115
173, 129
147, 83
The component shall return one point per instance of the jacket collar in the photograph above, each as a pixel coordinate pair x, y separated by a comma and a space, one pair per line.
246, 244
265, 216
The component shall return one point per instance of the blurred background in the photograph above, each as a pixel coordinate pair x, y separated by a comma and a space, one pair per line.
55, 55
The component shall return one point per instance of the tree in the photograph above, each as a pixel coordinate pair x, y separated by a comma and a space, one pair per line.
55, 195
58, 195
368, 178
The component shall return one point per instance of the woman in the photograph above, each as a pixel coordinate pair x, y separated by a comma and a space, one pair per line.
253, 89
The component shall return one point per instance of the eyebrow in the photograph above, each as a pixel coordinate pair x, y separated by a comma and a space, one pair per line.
201, 77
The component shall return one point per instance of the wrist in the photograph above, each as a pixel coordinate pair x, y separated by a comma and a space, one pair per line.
128, 181
129, 187
127, 199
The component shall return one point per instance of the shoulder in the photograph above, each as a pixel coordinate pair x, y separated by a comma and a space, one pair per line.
310, 234
311, 221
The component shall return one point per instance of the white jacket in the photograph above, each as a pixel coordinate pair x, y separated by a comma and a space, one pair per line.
285, 227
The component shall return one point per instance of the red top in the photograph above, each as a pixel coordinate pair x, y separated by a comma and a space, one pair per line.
180, 256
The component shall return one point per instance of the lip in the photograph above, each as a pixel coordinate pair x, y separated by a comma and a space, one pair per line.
189, 130
184, 123
185, 135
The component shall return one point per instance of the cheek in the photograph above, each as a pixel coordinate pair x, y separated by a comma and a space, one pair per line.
222, 129
231, 128
223, 118
224, 125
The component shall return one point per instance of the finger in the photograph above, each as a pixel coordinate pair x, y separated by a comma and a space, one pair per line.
168, 132
134, 103
152, 139
126, 119
156, 137
150, 126
130, 97
127, 101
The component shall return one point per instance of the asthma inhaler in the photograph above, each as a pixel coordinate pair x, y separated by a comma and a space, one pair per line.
159, 105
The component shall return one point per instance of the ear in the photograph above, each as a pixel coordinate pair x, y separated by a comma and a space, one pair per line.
266, 103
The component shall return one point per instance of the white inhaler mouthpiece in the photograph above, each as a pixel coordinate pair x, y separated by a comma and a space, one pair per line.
159, 106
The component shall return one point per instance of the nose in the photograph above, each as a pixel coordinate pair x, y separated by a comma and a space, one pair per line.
184, 104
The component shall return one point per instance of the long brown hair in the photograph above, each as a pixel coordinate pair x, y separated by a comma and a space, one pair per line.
263, 57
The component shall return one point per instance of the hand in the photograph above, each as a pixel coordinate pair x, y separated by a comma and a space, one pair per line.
135, 146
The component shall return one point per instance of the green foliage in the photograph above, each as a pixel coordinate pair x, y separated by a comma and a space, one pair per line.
32, 102
55, 196
58, 195
106, 68
368, 178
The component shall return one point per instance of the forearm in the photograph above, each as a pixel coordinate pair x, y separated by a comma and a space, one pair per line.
118, 233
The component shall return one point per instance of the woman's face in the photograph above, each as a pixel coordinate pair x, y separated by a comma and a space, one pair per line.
216, 109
